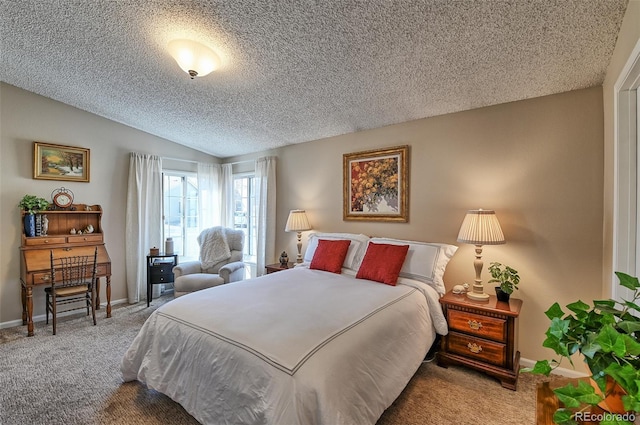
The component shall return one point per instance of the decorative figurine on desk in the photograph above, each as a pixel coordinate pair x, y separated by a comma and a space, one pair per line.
284, 259
461, 289
458, 289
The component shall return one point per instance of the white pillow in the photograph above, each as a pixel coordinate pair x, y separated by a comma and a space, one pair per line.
354, 254
425, 261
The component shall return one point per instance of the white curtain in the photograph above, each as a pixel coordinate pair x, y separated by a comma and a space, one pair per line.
143, 227
226, 196
208, 195
215, 195
266, 211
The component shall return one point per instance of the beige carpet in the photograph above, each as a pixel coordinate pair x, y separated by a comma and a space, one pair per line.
74, 378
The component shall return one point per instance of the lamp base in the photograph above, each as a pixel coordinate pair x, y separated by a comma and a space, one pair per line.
478, 296
299, 258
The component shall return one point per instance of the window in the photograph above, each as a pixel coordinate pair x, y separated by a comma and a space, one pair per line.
244, 217
180, 205
626, 223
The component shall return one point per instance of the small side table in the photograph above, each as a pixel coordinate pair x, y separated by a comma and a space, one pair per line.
277, 267
159, 270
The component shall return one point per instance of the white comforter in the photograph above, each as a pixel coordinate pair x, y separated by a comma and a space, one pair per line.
295, 347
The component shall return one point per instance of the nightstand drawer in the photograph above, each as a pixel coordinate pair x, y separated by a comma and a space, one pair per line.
475, 324
162, 278
477, 348
161, 270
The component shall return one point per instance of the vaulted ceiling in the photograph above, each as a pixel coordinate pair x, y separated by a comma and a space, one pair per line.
299, 70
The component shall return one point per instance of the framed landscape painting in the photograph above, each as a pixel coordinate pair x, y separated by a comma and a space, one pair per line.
375, 185
58, 162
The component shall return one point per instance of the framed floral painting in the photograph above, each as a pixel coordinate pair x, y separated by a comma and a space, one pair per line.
376, 185
58, 162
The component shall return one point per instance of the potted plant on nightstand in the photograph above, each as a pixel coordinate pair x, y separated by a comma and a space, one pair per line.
31, 205
606, 334
508, 279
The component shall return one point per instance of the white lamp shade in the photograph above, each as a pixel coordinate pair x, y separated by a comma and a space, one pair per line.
193, 56
297, 221
481, 227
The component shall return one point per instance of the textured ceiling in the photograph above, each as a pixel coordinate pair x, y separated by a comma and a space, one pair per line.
300, 70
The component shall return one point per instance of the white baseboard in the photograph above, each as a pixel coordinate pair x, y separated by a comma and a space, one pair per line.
562, 371
43, 317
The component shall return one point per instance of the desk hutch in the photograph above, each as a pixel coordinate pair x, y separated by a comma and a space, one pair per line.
35, 263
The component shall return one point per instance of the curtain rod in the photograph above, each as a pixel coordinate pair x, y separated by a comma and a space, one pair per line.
179, 159
195, 162
240, 162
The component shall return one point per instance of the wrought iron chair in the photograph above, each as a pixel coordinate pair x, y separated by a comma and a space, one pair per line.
72, 283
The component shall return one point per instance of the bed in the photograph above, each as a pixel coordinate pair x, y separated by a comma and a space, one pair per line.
301, 346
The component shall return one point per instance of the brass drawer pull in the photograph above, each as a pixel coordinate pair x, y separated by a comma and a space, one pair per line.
475, 325
45, 278
474, 348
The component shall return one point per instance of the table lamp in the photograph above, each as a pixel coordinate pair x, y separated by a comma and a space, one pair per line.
480, 227
298, 222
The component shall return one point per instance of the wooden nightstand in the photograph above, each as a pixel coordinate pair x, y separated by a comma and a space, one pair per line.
482, 335
272, 268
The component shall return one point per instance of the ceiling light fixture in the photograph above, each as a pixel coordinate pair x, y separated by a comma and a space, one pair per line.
194, 58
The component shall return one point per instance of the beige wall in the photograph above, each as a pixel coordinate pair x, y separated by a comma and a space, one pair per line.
627, 39
538, 163
25, 118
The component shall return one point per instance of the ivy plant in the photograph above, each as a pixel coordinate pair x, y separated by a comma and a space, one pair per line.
606, 334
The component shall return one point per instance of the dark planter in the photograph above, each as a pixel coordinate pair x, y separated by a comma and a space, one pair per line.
501, 295
29, 225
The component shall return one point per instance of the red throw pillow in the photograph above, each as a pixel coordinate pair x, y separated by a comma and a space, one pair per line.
330, 255
382, 262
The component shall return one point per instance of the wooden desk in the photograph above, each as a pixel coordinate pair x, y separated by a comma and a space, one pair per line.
35, 253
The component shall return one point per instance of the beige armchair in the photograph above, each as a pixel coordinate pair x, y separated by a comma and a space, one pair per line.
220, 262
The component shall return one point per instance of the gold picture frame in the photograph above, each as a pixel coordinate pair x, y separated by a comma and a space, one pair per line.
59, 162
376, 185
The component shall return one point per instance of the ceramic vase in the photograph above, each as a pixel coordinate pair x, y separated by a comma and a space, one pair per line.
168, 246
29, 225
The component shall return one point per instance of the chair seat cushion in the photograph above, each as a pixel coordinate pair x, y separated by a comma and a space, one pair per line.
67, 291
197, 281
